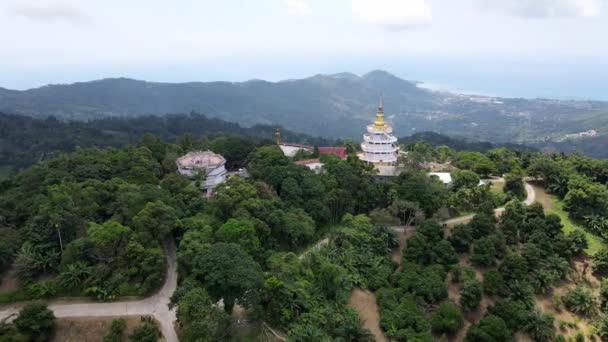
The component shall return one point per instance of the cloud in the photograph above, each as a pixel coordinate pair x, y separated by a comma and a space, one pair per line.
50, 11
394, 15
297, 8
546, 8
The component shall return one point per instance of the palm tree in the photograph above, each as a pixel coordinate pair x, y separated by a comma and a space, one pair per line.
540, 326
75, 274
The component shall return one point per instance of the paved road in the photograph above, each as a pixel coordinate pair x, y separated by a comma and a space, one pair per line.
156, 305
465, 219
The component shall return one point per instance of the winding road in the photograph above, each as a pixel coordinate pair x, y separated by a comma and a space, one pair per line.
465, 219
156, 305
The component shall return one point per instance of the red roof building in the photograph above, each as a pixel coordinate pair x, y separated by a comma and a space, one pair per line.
339, 151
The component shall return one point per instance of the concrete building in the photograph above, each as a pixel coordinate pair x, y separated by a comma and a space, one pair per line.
379, 145
211, 166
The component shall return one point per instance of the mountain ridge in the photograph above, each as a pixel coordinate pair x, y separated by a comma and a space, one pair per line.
330, 105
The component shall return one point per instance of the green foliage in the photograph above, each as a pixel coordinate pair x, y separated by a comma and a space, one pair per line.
117, 329
447, 319
470, 294
157, 219
36, 322
580, 300
494, 284
461, 238
514, 187
199, 319
147, 331
427, 283
484, 252
475, 161
464, 179
490, 329
600, 260
229, 273
400, 316
239, 231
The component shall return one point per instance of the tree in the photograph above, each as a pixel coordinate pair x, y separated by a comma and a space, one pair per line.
461, 238
447, 319
476, 162
36, 321
239, 231
514, 186
464, 179
117, 328
484, 252
580, 300
470, 294
199, 319
156, 218
296, 227
490, 329
493, 283
540, 326
444, 254
418, 249
600, 260
145, 332
229, 273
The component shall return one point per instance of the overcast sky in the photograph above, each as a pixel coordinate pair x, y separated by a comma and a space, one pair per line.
461, 42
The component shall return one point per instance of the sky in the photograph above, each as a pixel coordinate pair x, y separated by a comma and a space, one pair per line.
528, 48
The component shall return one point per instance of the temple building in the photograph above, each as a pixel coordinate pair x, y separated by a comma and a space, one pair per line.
379, 145
209, 165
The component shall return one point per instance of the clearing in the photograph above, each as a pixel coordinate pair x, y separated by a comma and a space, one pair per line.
77, 329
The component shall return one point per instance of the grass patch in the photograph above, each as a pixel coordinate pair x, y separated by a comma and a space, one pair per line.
497, 187
595, 242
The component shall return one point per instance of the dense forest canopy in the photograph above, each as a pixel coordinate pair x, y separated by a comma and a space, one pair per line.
288, 245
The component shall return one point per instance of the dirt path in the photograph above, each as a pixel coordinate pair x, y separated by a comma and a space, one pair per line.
156, 305
364, 301
531, 198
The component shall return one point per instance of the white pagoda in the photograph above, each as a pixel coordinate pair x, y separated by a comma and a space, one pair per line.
379, 145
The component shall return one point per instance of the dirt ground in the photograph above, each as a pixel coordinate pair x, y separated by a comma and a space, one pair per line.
403, 236
81, 329
364, 301
10, 282
541, 196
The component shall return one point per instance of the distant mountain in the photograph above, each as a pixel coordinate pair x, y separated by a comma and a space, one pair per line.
25, 140
335, 106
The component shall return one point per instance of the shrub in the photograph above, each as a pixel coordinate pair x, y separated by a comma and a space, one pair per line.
117, 328
447, 319
493, 283
36, 321
580, 300
470, 294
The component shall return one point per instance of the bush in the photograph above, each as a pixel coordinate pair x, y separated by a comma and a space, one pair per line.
447, 319
580, 300
147, 331
484, 252
490, 328
116, 330
494, 284
36, 321
470, 294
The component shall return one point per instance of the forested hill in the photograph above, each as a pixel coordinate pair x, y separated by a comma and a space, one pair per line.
25, 140
437, 139
333, 106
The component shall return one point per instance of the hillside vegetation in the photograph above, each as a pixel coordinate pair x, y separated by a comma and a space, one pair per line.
334, 106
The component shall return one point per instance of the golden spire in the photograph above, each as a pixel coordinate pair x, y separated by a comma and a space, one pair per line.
277, 136
379, 123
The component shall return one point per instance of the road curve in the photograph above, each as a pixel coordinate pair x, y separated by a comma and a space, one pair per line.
156, 305
531, 197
